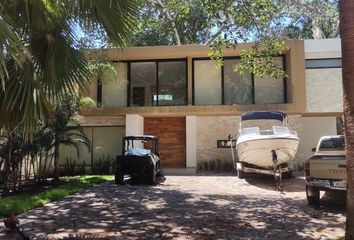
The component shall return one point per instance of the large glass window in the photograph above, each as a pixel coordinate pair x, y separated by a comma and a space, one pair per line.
237, 87
269, 90
114, 88
143, 84
172, 83
162, 83
215, 86
207, 83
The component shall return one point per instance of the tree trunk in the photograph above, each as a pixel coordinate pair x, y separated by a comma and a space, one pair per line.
56, 162
346, 10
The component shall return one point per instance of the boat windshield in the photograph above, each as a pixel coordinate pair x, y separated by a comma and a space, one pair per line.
262, 115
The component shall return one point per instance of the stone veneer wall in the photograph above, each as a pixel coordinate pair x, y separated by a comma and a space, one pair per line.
210, 129
324, 90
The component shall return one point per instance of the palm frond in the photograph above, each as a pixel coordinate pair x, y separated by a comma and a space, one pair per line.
53, 68
10, 47
118, 18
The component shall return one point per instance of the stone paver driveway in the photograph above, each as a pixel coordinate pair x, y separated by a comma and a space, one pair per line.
190, 207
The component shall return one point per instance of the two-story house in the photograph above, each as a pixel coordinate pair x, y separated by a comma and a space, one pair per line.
180, 95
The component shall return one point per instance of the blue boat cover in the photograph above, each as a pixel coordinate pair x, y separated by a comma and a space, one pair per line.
263, 115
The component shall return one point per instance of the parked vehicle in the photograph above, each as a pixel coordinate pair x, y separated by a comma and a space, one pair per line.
265, 151
326, 169
140, 159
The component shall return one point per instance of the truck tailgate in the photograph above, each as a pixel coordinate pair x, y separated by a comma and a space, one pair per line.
328, 167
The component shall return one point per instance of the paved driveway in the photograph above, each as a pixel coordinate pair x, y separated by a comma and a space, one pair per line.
191, 207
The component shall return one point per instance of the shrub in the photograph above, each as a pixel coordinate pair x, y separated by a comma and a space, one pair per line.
87, 103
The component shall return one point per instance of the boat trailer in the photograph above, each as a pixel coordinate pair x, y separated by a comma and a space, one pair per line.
277, 170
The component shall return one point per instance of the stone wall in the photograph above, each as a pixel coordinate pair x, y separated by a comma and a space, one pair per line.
324, 90
210, 129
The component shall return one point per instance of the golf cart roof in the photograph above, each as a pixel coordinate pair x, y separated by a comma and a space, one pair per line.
140, 137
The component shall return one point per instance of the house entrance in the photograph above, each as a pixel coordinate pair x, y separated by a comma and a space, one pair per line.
172, 139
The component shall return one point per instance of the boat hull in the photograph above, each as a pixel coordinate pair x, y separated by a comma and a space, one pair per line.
258, 151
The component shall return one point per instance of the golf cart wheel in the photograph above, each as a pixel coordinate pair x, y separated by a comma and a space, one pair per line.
119, 176
151, 175
313, 195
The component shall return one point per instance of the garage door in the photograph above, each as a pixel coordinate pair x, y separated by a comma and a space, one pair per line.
172, 138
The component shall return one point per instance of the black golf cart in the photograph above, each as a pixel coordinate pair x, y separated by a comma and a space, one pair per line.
140, 159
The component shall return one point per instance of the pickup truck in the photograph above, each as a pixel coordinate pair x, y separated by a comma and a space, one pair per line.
326, 169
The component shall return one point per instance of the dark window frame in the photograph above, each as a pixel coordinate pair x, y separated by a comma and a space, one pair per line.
285, 87
99, 93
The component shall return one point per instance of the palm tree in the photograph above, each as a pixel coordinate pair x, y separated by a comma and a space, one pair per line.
346, 10
64, 130
38, 61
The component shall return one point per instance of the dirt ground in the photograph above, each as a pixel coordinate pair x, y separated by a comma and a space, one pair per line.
191, 207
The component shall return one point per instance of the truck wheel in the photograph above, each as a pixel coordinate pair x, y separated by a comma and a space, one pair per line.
151, 175
240, 174
313, 195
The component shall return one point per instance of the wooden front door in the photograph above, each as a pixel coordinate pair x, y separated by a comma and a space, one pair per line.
172, 139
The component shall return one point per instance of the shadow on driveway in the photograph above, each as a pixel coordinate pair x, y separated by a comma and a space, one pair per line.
168, 211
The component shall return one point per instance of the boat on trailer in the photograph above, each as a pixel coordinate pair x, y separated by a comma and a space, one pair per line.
265, 148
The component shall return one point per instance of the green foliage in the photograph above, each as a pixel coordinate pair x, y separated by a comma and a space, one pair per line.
222, 24
160, 21
39, 62
103, 165
64, 130
217, 50
309, 19
99, 68
260, 60
26, 201
69, 168
39, 153
87, 103
72, 168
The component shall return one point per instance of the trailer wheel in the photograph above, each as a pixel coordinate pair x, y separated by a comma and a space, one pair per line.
288, 175
151, 175
313, 195
240, 174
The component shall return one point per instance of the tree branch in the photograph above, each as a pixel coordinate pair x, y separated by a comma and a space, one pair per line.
170, 19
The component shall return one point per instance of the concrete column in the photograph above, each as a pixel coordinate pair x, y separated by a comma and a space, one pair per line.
134, 125
191, 141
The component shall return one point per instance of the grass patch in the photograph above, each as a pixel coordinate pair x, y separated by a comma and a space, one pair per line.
25, 201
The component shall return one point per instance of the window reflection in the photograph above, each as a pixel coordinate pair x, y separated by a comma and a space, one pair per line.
165, 87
